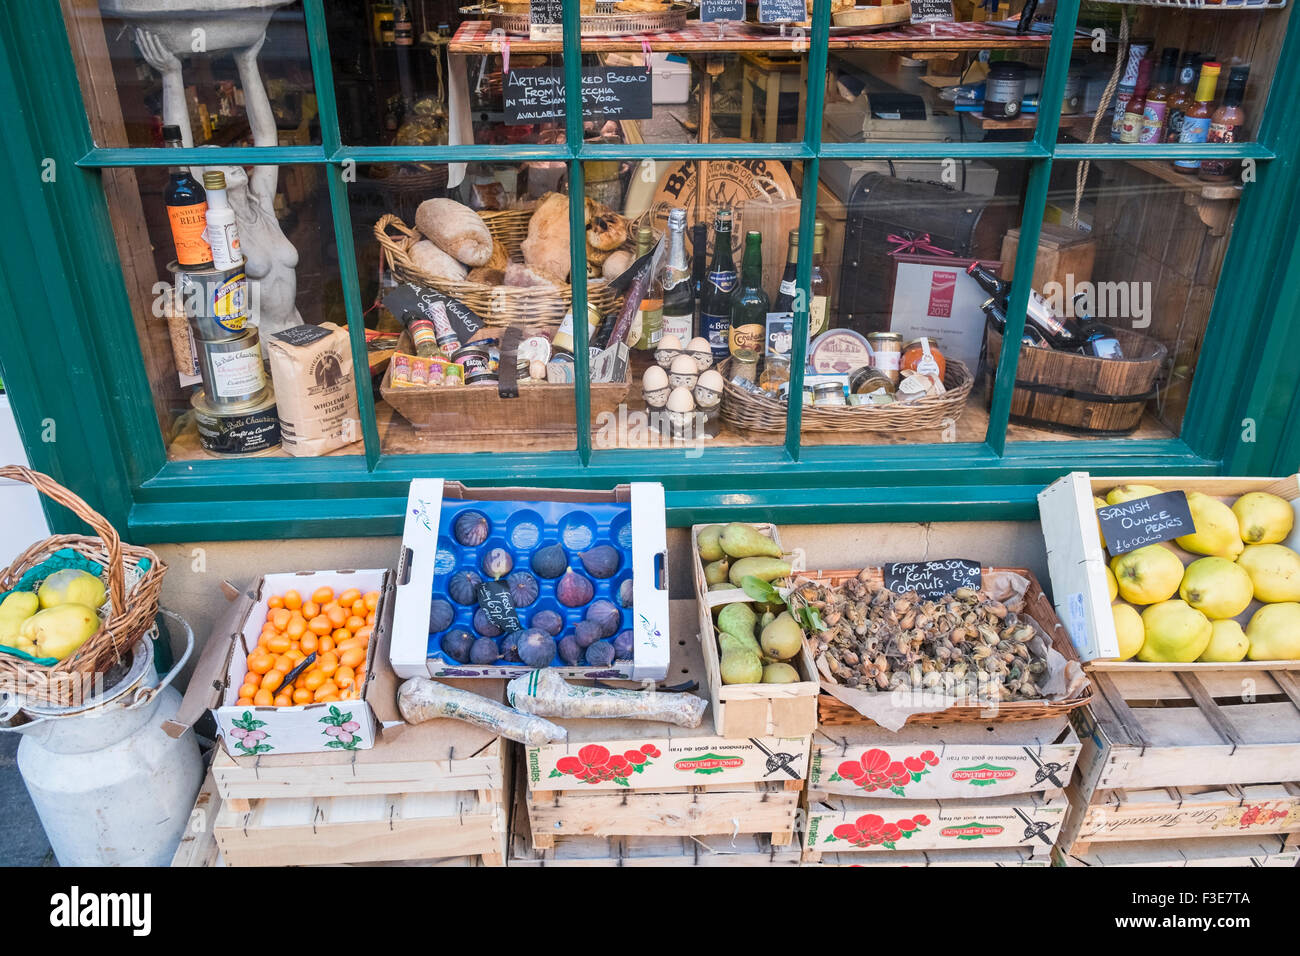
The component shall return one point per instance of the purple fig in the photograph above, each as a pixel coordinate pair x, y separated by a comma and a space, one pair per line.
548, 621
523, 588
441, 614
601, 561
623, 646
510, 646
536, 648
484, 651
470, 528
573, 590
586, 633
497, 563
456, 644
605, 615
483, 625
462, 587
550, 562
625, 593
570, 650
600, 654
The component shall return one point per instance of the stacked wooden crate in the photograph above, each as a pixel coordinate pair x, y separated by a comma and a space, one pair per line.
436, 791
1195, 767
615, 779
938, 794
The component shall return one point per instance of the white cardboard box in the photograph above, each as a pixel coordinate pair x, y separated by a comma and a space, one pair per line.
416, 571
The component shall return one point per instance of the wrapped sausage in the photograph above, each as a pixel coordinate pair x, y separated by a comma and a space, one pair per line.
420, 699
547, 694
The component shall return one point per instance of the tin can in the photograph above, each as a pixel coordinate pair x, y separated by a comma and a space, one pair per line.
886, 350
477, 360
237, 431
828, 393
865, 379
1004, 88
232, 370
215, 301
1072, 95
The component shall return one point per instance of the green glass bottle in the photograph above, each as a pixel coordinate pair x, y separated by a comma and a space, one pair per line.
749, 306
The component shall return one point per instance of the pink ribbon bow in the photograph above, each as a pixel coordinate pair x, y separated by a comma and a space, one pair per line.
913, 245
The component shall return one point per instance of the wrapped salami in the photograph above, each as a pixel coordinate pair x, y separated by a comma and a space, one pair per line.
420, 699
547, 694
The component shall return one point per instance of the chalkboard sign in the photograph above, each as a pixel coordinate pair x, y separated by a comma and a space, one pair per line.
782, 11
931, 579
546, 12
418, 301
494, 599
711, 10
932, 11
536, 95
1142, 521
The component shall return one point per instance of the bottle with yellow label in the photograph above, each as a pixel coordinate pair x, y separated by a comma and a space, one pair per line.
749, 306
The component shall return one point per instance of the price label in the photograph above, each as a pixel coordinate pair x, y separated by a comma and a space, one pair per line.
932, 11
782, 11
536, 95
545, 19
711, 10
1143, 521
494, 599
932, 579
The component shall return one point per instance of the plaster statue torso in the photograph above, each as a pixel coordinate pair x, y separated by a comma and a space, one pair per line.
271, 257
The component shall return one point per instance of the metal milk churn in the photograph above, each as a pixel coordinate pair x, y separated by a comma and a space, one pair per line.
111, 788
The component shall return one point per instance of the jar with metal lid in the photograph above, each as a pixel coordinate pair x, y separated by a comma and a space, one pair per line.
886, 348
1004, 88
776, 373
863, 381
829, 393
923, 355
744, 365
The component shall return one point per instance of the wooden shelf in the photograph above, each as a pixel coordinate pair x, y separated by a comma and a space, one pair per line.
1163, 169
475, 37
1029, 121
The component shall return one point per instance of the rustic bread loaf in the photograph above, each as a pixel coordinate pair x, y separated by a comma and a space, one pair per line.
429, 258
546, 248
456, 229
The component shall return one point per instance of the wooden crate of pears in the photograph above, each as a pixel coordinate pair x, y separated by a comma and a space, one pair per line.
762, 678
1225, 598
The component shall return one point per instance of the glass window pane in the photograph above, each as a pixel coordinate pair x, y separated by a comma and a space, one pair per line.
465, 275
1137, 276
231, 73
208, 330
1159, 72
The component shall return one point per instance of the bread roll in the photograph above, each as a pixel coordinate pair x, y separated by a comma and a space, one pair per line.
429, 258
546, 248
521, 276
500, 258
456, 229
616, 264
486, 275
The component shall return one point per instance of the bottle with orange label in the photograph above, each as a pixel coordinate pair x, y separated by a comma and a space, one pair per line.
187, 209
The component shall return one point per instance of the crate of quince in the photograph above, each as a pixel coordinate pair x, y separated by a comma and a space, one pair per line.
1222, 593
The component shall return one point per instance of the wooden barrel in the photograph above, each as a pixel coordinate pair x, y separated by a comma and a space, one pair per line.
1080, 394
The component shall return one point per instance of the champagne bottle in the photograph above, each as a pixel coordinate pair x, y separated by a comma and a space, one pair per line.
785, 296
750, 304
719, 286
675, 280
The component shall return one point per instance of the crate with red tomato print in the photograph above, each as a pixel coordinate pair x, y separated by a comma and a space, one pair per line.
952, 761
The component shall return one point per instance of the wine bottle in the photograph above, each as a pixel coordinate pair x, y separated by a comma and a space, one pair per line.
1099, 340
785, 295
675, 280
718, 288
819, 307
699, 258
648, 326
1058, 331
750, 304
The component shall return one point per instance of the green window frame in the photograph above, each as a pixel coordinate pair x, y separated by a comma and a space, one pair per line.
71, 359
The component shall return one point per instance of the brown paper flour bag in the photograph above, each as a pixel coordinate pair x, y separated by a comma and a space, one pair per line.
315, 388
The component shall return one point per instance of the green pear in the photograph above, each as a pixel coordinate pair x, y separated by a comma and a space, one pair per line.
767, 569
1129, 630
782, 638
1228, 643
779, 673
1176, 633
1217, 588
71, 586
1275, 571
58, 631
19, 605
738, 642
1264, 518
1217, 530
1148, 575
738, 618
741, 667
1274, 633
706, 542
746, 541
1123, 493
715, 572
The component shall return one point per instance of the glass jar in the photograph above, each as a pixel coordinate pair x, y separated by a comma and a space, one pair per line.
776, 373
923, 355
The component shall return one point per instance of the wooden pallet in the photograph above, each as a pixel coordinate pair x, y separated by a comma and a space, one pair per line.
1186, 756
945, 761
1027, 821
1237, 851
198, 846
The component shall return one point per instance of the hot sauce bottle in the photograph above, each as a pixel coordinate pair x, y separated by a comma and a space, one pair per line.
1196, 122
1181, 97
1226, 126
1157, 104
1136, 51
1131, 126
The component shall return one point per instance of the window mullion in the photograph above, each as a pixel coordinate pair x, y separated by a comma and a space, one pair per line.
572, 61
